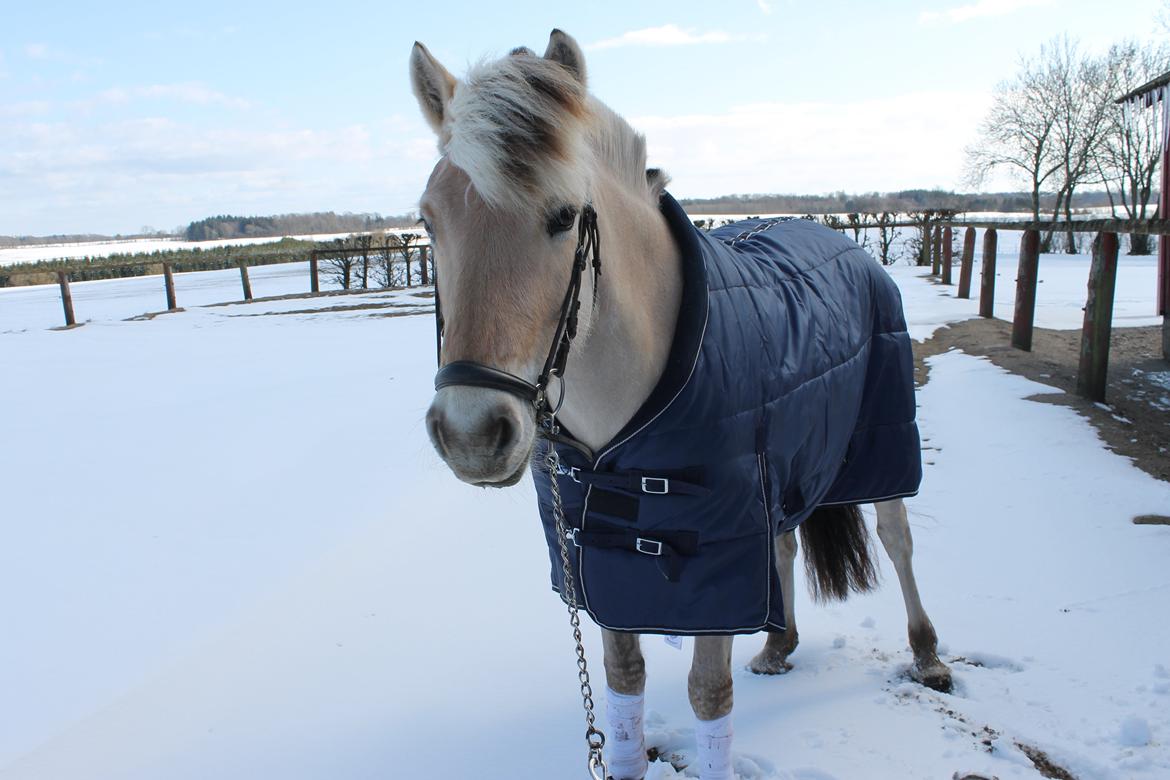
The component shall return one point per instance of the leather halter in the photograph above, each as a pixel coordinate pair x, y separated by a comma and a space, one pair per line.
473, 374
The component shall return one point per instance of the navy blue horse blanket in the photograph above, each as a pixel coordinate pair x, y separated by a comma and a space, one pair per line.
789, 385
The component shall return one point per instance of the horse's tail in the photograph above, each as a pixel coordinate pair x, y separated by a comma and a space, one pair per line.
836, 553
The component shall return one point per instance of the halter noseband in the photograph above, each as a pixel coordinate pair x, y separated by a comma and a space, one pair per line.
472, 374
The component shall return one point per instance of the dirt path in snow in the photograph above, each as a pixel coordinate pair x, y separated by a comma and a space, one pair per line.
1135, 421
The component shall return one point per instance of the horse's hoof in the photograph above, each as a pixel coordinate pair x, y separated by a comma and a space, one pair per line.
769, 663
935, 676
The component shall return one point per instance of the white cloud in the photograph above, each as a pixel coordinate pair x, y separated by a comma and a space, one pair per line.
186, 92
978, 9
666, 35
882, 144
36, 51
65, 175
765, 6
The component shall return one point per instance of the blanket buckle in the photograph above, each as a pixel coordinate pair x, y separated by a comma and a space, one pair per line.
657, 486
648, 546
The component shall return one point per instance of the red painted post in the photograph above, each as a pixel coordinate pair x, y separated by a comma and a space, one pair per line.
1026, 291
169, 280
987, 283
314, 281
967, 261
1164, 248
1093, 373
66, 298
936, 252
948, 254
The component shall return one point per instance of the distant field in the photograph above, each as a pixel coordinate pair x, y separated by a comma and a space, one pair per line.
32, 254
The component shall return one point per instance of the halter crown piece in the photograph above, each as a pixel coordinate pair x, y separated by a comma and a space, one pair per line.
473, 374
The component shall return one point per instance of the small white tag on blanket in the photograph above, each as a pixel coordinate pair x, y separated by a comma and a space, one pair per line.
673, 641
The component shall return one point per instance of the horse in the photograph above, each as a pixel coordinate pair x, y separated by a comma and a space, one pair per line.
551, 350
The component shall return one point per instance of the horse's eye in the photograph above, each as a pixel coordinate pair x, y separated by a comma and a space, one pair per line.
562, 220
426, 225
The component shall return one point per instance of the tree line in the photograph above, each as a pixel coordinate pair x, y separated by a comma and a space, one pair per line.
901, 202
119, 266
1056, 126
225, 226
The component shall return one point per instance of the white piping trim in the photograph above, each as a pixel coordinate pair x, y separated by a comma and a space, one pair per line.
867, 500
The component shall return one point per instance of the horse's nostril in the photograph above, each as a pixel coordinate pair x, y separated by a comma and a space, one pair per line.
504, 434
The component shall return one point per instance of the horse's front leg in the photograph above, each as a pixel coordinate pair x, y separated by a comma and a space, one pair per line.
625, 703
893, 529
709, 686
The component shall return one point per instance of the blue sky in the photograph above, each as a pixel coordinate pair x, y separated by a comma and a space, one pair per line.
113, 117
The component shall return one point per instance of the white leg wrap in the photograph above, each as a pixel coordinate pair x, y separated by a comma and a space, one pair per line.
713, 738
625, 745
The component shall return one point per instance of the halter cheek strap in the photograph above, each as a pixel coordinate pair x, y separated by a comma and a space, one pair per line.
473, 374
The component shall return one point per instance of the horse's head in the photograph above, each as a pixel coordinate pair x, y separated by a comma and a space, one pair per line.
501, 208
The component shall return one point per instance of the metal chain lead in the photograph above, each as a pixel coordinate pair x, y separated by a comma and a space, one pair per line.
594, 737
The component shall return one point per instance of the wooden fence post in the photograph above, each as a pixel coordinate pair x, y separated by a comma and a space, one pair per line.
1092, 375
409, 253
314, 280
169, 280
987, 283
1029, 269
936, 254
66, 298
948, 254
422, 256
967, 261
244, 280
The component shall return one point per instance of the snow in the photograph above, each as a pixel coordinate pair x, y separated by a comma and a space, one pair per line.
229, 551
33, 253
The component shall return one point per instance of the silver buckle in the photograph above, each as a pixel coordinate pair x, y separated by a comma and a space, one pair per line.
644, 546
657, 486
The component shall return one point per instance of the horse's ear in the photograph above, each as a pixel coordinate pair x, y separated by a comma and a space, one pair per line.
564, 50
657, 179
432, 84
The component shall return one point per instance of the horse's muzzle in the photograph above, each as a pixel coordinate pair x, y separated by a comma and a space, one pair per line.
482, 434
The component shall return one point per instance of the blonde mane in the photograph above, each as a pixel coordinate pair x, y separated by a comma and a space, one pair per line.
529, 135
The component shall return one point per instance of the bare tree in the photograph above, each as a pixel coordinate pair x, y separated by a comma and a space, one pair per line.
858, 223
887, 234
1017, 133
1082, 92
339, 266
1127, 160
406, 246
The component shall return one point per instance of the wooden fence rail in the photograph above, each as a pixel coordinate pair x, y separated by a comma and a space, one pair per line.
426, 274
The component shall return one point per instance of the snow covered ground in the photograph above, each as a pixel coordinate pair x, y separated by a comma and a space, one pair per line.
31, 254
228, 551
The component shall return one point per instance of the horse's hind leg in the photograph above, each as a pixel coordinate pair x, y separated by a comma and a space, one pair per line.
773, 659
709, 686
894, 530
625, 675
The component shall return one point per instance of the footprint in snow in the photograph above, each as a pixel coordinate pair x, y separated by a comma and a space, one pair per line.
988, 661
672, 755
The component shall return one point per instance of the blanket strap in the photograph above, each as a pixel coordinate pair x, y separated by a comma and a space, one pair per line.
637, 481
670, 546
